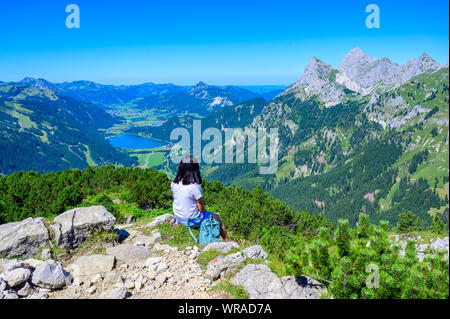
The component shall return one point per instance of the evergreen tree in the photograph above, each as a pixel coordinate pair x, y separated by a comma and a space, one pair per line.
437, 226
408, 222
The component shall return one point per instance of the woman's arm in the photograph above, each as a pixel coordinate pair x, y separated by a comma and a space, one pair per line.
201, 205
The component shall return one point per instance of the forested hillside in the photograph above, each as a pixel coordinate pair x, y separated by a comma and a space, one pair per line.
45, 131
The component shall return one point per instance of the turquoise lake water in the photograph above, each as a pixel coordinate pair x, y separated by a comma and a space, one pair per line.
134, 142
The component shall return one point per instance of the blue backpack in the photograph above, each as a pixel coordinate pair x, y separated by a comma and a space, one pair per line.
209, 231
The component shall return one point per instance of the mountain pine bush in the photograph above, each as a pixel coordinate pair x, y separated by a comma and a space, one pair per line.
363, 263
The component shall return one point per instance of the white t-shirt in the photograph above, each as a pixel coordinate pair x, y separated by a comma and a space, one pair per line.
185, 200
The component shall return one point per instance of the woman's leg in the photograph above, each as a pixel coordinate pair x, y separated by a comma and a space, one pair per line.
223, 230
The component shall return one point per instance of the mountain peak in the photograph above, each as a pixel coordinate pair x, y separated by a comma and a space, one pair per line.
41, 84
355, 59
426, 59
201, 84
28, 80
356, 52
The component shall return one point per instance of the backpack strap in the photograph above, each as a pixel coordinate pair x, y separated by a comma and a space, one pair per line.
189, 227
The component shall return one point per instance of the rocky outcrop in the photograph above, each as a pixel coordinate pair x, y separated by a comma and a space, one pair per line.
23, 239
129, 253
51, 275
86, 267
74, 226
166, 218
261, 283
222, 264
142, 267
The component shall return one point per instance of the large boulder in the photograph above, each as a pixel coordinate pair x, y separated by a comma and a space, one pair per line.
302, 288
23, 239
74, 226
261, 283
220, 264
51, 275
129, 253
118, 293
166, 218
86, 267
16, 276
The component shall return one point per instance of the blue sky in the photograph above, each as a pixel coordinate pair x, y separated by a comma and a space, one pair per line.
242, 42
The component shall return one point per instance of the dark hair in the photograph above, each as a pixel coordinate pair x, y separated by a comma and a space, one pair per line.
188, 171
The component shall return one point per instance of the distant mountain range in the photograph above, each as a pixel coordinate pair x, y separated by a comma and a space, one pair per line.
53, 126
200, 99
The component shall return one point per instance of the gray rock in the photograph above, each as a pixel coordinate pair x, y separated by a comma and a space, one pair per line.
118, 293
129, 253
32, 264
161, 267
37, 296
129, 219
23, 239
302, 288
2, 287
164, 247
46, 254
255, 252
91, 290
221, 247
260, 282
86, 267
10, 294
152, 261
440, 244
15, 264
3, 263
220, 265
166, 218
112, 277
50, 275
161, 278
25, 289
16, 276
76, 225
96, 279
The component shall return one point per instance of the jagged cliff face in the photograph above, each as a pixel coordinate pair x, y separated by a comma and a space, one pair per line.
357, 72
318, 80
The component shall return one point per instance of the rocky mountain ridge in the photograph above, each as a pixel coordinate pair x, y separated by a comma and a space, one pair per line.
358, 72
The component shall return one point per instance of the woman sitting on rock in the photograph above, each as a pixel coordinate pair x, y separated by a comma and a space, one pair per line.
188, 197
